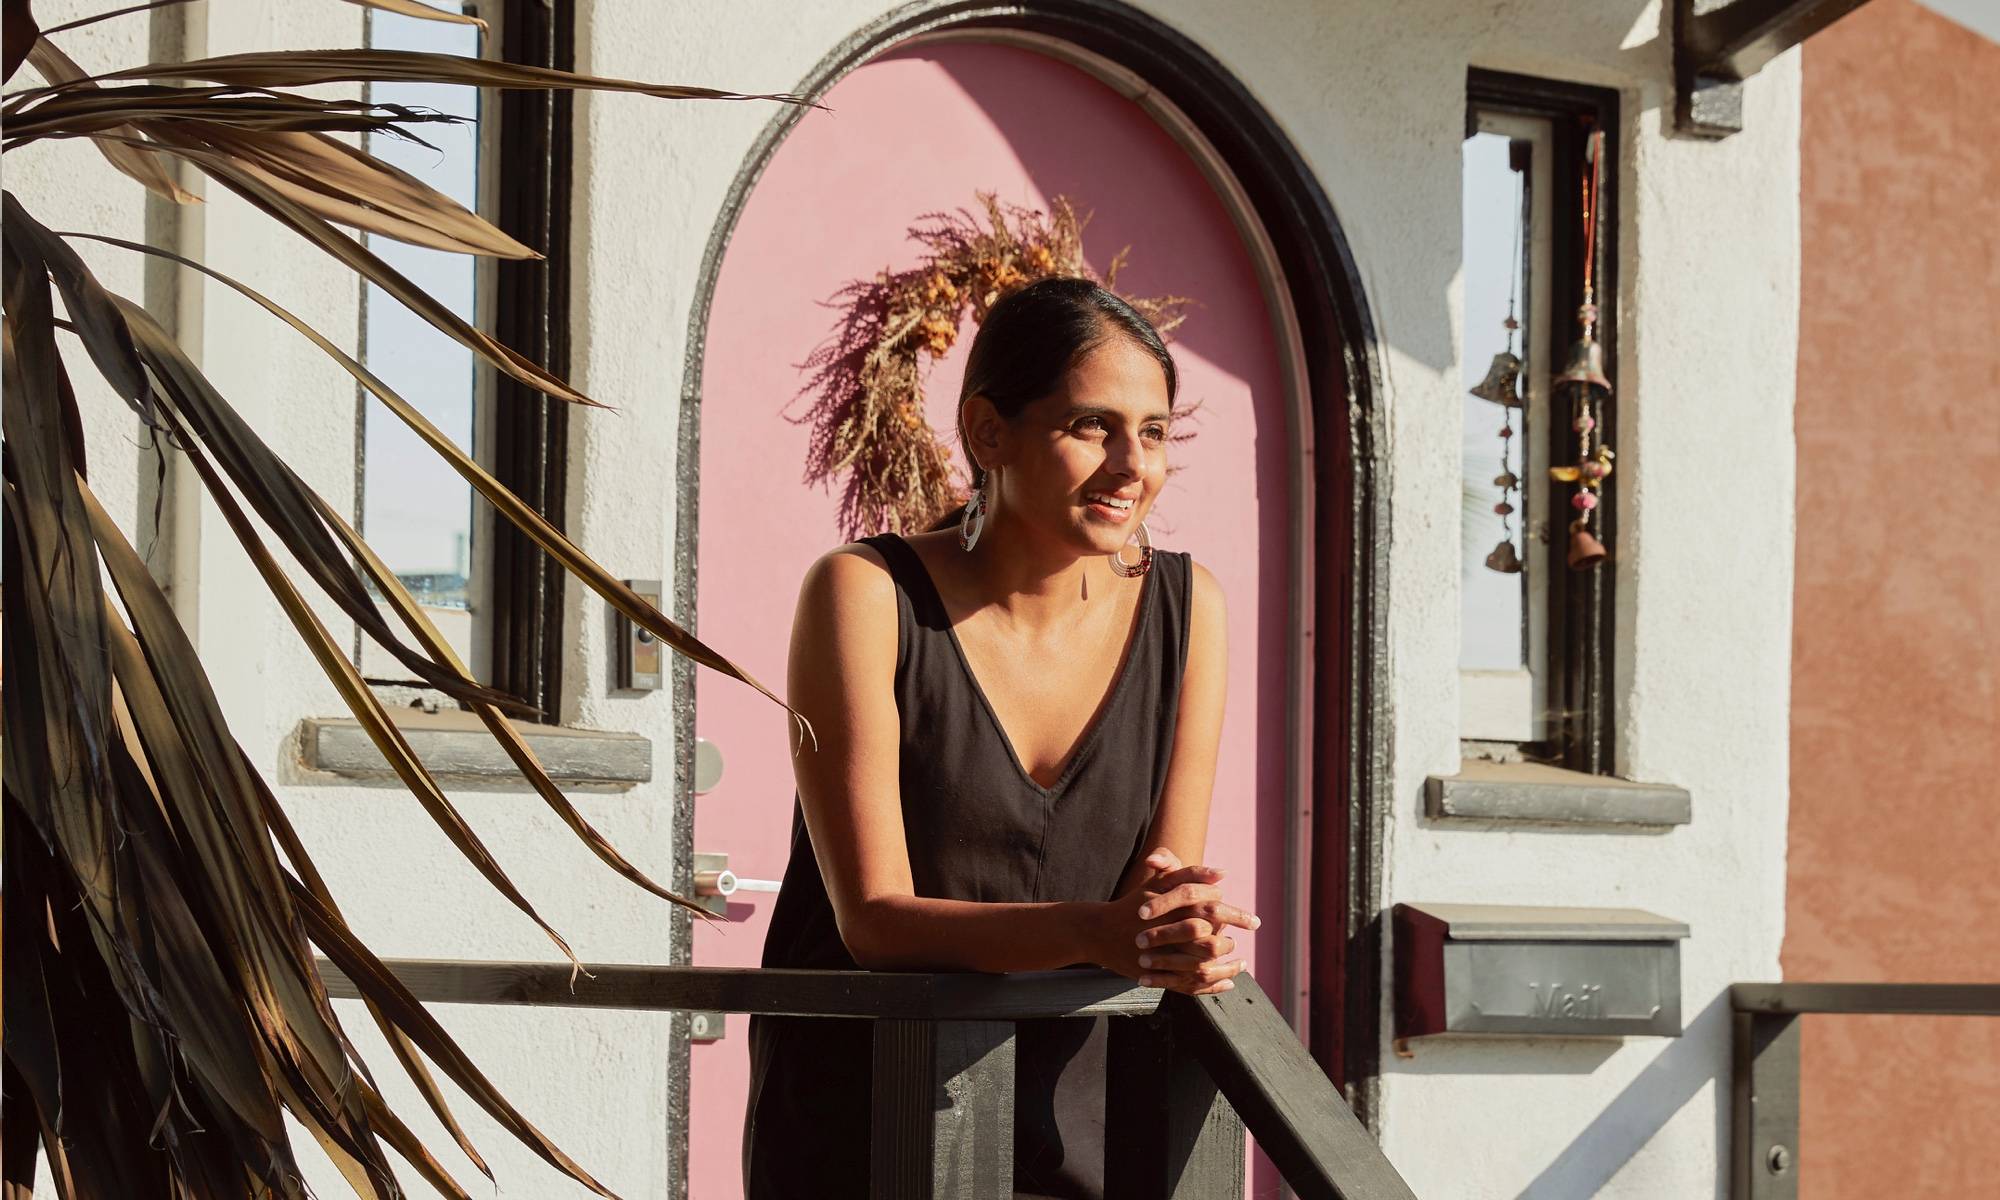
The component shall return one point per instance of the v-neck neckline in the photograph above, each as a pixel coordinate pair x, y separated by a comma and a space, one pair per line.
1087, 739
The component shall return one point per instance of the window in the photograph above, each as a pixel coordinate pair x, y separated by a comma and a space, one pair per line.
1533, 650
415, 510
493, 594
1503, 646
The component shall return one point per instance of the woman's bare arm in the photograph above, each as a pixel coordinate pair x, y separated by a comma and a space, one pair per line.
1180, 824
1190, 950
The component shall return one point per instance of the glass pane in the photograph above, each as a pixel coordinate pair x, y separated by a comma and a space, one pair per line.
1495, 624
416, 511
1503, 657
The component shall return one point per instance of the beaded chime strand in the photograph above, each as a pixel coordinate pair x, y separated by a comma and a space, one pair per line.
1584, 378
1502, 386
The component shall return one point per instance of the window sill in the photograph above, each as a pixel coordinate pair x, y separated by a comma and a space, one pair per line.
1531, 793
458, 748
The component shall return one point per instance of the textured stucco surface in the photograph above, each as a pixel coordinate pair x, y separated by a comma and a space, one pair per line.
1373, 97
1708, 259
1896, 645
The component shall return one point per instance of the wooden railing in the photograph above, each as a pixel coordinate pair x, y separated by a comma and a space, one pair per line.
1186, 1075
1765, 1156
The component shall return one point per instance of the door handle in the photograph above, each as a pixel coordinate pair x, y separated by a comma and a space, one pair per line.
714, 883
725, 883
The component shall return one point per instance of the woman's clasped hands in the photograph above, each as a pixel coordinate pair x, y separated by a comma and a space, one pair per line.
1171, 931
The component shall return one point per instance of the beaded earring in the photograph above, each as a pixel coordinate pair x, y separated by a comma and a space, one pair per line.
1134, 569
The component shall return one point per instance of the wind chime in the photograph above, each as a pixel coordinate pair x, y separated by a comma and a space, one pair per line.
1502, 386
1585, 380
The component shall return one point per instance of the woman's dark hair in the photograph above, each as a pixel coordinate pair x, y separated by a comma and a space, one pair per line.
1032, 337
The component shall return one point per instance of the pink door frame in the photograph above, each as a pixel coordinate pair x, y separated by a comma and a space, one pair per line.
1339, 537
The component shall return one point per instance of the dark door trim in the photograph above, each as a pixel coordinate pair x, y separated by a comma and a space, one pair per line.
1349, 662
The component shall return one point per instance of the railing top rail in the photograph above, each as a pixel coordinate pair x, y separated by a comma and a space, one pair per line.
777, 991
1875, 999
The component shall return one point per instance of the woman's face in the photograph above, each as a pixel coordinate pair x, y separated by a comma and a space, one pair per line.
1084, 464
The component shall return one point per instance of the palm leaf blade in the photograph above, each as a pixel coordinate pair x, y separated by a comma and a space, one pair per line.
57, 67
307, 68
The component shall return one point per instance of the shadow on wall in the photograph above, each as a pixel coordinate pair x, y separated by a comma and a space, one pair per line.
1477, 1056
1691, 1063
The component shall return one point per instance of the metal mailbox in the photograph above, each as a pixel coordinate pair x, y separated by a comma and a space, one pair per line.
1470, 969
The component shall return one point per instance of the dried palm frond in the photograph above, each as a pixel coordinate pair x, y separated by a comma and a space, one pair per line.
305, 68
163, 1012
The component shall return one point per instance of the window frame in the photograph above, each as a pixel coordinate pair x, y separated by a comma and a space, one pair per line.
520, 435
1579, 604
528, 431
1510, 697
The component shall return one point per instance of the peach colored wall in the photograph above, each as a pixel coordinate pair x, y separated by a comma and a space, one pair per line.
1896, 634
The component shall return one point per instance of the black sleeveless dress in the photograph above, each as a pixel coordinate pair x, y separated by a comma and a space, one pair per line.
978, 828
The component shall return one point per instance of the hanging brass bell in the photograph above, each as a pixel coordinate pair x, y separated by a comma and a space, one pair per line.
1586, 364
1585, 551
1503, 559
1502, 384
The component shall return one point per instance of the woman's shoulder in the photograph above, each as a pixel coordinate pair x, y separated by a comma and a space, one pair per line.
1203, 596
883, 554
1199, 582
857, 569
847, 600
868, 573
1202, 582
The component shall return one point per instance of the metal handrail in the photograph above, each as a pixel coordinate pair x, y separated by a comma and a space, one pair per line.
1188, 1074
1869, 999
772, 991
1764, 1111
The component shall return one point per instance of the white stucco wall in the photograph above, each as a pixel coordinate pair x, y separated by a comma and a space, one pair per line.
1709, 268
1372, 95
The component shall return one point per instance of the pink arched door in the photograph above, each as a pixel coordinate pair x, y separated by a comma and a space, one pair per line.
915, 132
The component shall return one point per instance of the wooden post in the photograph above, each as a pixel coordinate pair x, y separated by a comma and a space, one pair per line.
943, 1111
1169, 1134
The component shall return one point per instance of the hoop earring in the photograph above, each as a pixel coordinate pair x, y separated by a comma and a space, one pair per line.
973, 522
1145, 563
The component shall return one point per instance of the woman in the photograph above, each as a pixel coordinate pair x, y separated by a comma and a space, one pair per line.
1017, 718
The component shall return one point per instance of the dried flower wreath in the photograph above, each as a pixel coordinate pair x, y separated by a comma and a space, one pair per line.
867, 401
